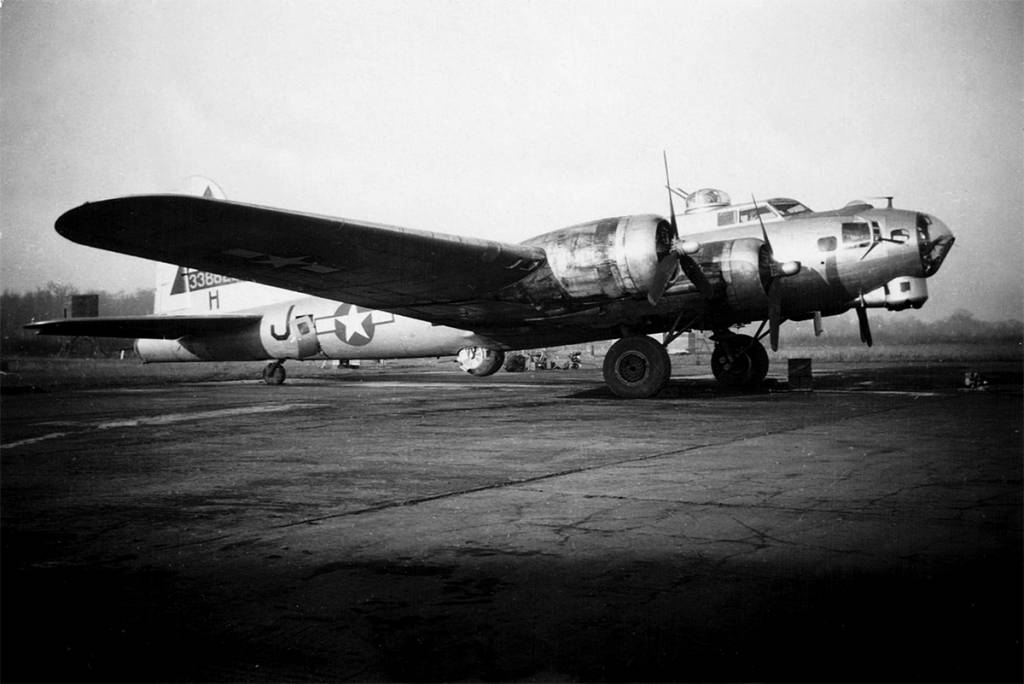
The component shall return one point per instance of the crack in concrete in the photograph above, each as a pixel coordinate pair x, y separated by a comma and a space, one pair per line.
519, 482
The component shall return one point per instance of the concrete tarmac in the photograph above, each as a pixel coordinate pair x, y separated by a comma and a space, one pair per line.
403, 525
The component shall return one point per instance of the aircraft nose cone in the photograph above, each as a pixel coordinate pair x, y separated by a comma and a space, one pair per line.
940, 232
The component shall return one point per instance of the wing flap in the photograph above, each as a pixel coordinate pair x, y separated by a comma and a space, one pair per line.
154, 327
372, 265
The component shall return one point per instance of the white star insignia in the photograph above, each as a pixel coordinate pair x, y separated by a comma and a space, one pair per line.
281, 262
355, 323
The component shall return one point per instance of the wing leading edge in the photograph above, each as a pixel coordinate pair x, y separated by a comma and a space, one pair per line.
432, 276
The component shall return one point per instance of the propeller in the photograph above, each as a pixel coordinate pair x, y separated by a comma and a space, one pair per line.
862, 319
777, 270
678, 256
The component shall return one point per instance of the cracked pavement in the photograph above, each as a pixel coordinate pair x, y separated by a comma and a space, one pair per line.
401, 526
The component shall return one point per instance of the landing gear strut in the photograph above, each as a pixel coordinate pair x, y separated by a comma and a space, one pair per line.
739, 361
273, 373
636, 367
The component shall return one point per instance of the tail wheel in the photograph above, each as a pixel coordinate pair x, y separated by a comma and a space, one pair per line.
636, 367
741, 361
273, 373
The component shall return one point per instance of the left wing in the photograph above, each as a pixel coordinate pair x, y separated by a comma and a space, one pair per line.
431, 276
156, 327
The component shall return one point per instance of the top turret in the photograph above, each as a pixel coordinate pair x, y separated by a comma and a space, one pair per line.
706, 199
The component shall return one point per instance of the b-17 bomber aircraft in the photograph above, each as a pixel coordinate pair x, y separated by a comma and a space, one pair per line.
255, 283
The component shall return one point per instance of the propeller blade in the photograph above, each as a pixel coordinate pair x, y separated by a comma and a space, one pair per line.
774, 285
865, 328
763, 231
774, 312
662, 275
671, 206
677, 256
696, 275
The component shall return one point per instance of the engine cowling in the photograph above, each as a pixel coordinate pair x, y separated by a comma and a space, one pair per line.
480, 361
745, 267
610, 258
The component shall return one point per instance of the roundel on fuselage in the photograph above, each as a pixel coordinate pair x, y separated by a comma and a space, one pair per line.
353, 325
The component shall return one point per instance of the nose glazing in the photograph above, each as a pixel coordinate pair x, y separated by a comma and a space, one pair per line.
934, 239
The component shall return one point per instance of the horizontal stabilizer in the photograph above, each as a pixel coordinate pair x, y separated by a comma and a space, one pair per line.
153, 327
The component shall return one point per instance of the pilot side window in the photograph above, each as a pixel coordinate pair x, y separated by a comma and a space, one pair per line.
856, 234
827, 244
726, 218
751, 214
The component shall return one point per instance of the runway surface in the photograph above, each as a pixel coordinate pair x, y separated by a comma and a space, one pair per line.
401, 525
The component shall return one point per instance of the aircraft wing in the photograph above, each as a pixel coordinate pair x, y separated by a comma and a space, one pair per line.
432, 276
156, 327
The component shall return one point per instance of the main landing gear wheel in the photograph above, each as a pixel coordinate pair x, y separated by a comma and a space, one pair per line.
739, 361
273, 373
637, 367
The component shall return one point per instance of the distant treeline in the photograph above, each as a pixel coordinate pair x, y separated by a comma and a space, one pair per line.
54, 300
904, 327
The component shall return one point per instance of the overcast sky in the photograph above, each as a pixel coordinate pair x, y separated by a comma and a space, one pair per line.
509, 119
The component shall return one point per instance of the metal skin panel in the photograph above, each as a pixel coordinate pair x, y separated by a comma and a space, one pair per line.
606, 259
337, 331
739, 262
585, 282
830, 282
348, 331
899, 294
377, 266
242, 345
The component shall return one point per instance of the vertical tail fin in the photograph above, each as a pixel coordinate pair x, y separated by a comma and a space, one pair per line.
178, 287
183, 290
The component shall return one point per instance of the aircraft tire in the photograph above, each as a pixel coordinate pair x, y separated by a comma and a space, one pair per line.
637, 367
274, 373
744, 369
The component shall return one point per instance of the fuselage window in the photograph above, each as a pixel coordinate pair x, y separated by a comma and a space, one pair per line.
856, 234
899, 235
726, 218
827, 244
787, 207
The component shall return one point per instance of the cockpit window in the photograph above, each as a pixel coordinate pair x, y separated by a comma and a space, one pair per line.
788, 207
856, 234
751, 213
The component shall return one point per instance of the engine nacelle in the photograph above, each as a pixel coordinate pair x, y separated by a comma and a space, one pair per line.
480, 361
898, 294
744, 265
610, 259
